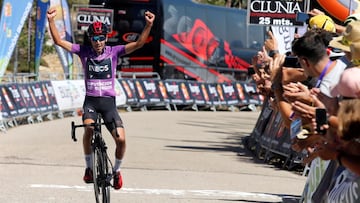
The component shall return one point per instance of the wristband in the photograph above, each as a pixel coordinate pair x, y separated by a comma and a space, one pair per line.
273, 52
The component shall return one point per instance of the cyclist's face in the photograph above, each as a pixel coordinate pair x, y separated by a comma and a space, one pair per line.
98, 43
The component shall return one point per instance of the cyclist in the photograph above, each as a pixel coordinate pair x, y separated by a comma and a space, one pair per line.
99, 64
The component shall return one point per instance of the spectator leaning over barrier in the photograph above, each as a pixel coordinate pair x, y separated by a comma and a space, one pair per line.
311, 50
312, 53
99, 65
331, 102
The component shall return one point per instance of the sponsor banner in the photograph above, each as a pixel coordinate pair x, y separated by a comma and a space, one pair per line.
276, 12
213, 94
70, 94
50, 97
42, 7
43, 103
140, 92
205, 93
13, 17
262, 121
316, 172
29, 98
163, 91
152, 90
240, 93
19, 100
3, 107
196, 92
252, 93
174, 93
185, 90
129, 88
119, 94
221, 94
230, 93
8, 103
86, 15
271, 127
280, 138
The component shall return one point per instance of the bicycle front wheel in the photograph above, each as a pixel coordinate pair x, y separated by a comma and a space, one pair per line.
100, 174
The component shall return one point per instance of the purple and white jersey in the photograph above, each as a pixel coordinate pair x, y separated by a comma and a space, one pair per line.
99, 70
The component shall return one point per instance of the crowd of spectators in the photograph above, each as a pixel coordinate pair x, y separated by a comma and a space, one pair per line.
308, 79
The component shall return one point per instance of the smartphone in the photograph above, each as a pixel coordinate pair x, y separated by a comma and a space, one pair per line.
291, 62
321, 119
251, 71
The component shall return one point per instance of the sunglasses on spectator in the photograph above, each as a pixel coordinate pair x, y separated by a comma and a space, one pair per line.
98, 38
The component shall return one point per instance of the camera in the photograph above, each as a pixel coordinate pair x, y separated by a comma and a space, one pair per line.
291, 62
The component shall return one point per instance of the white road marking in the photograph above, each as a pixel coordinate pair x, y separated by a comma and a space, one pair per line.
200, 193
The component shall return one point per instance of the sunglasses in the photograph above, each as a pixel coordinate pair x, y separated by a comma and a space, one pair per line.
98, 38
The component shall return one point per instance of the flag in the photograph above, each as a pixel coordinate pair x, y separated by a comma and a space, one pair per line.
62, 23
42, 7
13, 16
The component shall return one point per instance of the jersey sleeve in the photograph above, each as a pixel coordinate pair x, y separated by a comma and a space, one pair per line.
75, 49
119, 50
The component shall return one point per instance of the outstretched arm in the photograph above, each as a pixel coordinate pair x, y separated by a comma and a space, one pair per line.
132, 46
51, 13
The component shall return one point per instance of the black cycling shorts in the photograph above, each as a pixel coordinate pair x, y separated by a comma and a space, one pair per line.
106, 106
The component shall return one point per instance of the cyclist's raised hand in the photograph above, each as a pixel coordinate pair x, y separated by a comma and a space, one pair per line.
51, 13
149, 17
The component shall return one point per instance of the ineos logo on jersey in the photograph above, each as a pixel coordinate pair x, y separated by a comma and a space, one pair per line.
99, 69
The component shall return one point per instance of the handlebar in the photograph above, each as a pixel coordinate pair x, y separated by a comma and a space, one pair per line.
96, 125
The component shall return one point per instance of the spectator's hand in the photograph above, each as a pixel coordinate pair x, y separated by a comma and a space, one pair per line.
296, 92
315, 12
276, 63
270, 43
149, 17
304, 111
322, 101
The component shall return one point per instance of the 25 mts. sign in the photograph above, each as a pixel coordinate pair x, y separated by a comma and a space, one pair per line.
276, 12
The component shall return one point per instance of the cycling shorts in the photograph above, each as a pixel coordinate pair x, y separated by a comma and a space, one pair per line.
105, 106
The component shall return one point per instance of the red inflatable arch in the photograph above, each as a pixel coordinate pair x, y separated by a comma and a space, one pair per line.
340, 9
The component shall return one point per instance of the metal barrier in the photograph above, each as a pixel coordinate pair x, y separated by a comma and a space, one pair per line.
135, 75
18, 77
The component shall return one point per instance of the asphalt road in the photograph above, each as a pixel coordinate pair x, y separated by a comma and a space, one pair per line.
171, 157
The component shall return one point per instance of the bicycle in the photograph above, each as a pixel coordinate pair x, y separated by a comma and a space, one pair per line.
102, 166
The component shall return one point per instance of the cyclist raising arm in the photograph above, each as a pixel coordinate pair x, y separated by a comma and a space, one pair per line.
99, 64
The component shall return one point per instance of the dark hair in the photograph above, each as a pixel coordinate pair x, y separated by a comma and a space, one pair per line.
97, 28
313, 44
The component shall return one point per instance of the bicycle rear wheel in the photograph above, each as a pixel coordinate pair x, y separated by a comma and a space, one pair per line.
101, 177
